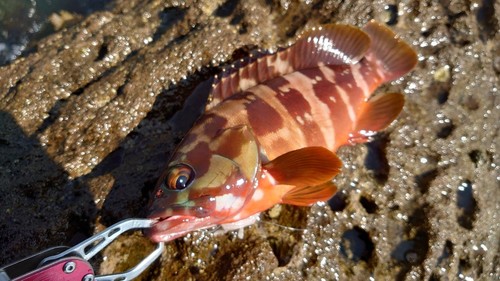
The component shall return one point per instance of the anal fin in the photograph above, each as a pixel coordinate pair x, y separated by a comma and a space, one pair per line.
379, 112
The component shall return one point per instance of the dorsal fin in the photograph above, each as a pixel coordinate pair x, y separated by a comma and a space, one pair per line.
393, 56
331, 44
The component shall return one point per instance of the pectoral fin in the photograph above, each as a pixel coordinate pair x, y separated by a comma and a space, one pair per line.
310, 194
304, 167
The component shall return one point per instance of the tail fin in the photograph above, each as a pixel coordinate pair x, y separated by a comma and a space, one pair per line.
394, 57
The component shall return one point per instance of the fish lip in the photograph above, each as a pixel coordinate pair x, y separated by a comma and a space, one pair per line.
173, 217
165, 229
159, 219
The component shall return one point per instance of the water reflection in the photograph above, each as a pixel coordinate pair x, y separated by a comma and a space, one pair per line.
23, 22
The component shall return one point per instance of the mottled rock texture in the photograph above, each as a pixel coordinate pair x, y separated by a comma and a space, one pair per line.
87, 126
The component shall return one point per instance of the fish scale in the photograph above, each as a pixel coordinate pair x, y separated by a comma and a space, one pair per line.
273, 124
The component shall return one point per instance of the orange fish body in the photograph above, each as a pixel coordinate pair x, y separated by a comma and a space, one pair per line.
271, 128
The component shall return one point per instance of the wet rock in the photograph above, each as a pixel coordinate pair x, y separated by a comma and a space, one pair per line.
87, 128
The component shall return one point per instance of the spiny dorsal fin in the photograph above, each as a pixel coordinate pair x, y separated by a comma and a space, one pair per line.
331, 44
304, 167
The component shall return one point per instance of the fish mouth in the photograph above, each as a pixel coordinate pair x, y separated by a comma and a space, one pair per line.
169, 228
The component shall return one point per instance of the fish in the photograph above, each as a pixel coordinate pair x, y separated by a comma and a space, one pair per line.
272, 125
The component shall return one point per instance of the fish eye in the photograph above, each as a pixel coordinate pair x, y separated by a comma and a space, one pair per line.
179, 177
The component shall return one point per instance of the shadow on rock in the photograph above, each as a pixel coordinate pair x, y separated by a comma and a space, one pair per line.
132, 170
40, 207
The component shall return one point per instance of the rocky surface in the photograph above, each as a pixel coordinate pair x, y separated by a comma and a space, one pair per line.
87, 126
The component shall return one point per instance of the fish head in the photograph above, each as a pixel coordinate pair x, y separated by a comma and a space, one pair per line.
204, 184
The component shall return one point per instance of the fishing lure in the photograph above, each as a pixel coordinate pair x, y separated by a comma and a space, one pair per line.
271, 128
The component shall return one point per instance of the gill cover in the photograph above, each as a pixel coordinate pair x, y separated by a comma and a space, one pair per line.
214, 187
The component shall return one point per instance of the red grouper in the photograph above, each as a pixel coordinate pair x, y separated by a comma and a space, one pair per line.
272, 125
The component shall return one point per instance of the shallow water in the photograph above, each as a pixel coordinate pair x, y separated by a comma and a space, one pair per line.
23, 22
